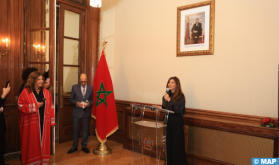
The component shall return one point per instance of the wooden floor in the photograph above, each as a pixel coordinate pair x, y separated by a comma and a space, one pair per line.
119, 155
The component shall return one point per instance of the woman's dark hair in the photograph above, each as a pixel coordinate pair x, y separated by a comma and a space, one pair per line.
30, 84
27, 71
45, 75
178, 89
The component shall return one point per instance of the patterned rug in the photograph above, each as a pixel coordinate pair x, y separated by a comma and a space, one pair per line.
12, 156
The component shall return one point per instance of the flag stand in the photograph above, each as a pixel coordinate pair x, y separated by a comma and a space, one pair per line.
102, 149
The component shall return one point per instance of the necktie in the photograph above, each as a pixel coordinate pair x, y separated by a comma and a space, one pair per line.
83, 91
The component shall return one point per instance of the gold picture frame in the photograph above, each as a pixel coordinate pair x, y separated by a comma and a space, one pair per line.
195, 29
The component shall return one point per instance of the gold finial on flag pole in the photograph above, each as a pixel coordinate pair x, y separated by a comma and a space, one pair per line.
104, 44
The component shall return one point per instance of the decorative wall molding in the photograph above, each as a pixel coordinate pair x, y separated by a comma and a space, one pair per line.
79, 4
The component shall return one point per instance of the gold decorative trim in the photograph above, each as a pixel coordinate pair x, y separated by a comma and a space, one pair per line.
211, 29
107, 135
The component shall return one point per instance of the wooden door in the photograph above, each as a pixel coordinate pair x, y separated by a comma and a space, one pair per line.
71, 64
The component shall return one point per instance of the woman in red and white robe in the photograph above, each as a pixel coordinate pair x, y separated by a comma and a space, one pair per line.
35, 121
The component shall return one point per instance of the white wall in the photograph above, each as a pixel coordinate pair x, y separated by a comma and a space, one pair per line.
241, 77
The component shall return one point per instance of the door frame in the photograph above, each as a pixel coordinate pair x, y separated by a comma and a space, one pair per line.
63, 98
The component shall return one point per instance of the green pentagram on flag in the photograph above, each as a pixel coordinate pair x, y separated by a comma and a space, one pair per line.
98, 94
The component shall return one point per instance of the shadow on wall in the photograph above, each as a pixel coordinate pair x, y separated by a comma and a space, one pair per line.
123, 81
109, 5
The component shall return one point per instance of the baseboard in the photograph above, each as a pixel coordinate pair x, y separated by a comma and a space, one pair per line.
200, 160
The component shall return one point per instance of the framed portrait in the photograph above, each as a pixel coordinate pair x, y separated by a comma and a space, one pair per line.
195, 29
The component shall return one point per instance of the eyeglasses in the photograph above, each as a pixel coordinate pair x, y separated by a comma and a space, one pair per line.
83, 81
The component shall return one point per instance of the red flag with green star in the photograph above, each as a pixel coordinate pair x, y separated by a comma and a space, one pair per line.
104, 109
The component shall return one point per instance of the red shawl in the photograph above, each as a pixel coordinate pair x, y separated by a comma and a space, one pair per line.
34, 150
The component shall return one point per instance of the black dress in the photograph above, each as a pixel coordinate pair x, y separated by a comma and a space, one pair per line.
2, 133
175, 131
40, 98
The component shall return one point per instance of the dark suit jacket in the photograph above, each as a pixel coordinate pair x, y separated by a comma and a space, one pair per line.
197, 28
2, 128
76, 96
2, 117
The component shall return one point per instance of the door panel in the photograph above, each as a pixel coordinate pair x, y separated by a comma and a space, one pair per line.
70, 78
39, 43
71, 49
71, 24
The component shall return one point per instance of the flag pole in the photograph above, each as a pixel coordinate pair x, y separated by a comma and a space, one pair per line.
102, 149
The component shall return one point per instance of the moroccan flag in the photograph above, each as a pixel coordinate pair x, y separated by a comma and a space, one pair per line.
104, 109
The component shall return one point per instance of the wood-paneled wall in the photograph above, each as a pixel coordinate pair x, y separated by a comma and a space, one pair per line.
92, 41
11, 65
12, 28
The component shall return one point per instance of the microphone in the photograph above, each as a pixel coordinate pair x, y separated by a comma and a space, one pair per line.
167, 91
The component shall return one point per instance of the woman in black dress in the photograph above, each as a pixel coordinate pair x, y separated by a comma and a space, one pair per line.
174, 100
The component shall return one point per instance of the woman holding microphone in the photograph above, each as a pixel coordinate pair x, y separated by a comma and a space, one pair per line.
174, 100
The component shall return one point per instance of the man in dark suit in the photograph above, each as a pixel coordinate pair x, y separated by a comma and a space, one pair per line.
2, 124
82, 100
196, 31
